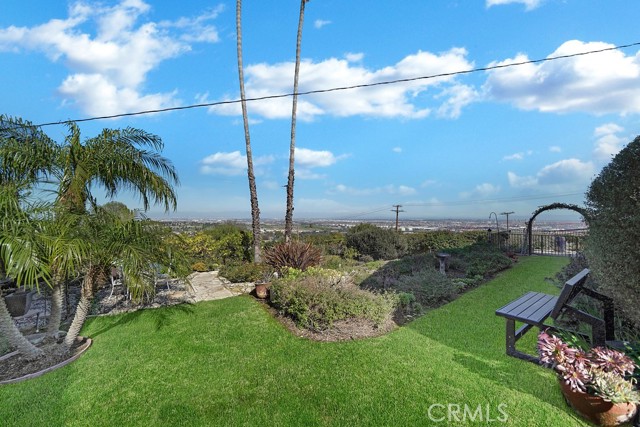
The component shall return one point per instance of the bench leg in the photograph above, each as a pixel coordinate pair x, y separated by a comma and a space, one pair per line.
513, 337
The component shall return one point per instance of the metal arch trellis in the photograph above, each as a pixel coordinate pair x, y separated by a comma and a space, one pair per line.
582, 211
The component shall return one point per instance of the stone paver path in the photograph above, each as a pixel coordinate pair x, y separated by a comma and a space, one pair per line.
210, 286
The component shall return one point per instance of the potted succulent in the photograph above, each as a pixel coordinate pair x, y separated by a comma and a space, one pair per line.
262, 285
596, 383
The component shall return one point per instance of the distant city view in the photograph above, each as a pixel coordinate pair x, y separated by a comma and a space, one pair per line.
406, 226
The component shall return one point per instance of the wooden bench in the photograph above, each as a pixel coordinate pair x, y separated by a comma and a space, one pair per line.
533, 308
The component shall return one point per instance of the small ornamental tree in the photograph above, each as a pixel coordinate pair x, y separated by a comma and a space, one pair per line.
613, 249
376, 242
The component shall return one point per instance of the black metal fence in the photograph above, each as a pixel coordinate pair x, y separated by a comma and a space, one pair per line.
543, 242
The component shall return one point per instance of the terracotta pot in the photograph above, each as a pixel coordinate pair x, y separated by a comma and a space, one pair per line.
18, 303
262, 290
596, 409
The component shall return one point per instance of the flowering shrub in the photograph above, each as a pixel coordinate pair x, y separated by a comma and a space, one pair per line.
601, 371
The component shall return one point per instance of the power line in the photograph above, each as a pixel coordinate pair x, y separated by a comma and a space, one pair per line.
397, 210
342, 88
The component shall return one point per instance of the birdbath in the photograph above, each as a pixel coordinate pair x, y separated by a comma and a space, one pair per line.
444, 259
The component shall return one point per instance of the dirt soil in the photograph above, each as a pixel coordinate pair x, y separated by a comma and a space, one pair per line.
17, 366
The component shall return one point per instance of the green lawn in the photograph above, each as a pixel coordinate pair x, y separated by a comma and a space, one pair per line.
228, 362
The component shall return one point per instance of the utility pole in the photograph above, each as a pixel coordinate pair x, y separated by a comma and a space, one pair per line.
397, 211
507, 214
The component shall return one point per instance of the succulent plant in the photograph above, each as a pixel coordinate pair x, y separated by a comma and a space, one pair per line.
601, 371
613, 388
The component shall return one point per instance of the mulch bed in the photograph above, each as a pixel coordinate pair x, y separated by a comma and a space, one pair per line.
15, 366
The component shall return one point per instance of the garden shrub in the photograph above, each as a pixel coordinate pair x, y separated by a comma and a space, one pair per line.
221, 244
330, 243
613, 204
335, 262
199, 267
318, 298
294, 254
376, 242
429, 287
480, 259
247, 272
439, 240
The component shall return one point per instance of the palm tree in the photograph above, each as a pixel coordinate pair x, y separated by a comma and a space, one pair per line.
117, 159
288, 218
33, 244
137, 246
255, 210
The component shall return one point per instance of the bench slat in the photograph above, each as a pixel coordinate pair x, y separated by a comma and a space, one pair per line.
533, 307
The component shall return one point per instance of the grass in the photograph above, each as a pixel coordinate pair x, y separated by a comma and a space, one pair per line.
228, 362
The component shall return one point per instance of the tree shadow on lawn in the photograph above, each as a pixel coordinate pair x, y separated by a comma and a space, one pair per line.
162, 318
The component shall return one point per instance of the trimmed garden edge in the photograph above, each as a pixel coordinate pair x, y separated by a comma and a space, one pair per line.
80, 351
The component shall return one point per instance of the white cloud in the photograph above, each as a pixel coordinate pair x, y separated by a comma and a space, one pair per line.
312, 158
319, 23
569, 173
354, 57
117, 58
530, 4
514, 156
401, 190
307, 159
397, 149
601, 83
608, 143
481, 190
398, 100
231, 164
555, 149
517, 156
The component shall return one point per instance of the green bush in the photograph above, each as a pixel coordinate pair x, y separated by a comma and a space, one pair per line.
331, 243
335, 262
438, 240
318, 298
248, 272
614, 231
294, 254
199, 266
221, 244
376, 242
429, 287
480, 259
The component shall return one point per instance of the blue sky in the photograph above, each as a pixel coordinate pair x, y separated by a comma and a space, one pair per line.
510, 139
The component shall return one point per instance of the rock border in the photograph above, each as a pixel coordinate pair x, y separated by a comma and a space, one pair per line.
80, 351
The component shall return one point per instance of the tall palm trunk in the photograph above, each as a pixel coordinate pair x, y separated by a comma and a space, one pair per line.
10, 331
84, 305
55, 318
288, 219
255, 211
